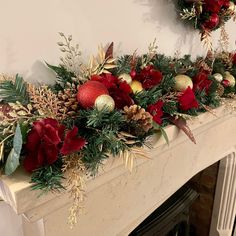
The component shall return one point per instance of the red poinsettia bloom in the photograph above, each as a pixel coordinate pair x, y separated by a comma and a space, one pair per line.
201, 82
44, 143
72, 142
156, 111
149, 77
187, 100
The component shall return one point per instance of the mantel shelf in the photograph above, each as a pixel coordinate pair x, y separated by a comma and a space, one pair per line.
151, 182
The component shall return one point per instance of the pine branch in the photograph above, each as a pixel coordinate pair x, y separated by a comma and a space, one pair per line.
63, 77
147, 97
123, 65
48, 178
13, 91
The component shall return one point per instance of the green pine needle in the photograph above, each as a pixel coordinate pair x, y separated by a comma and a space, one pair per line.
14, 91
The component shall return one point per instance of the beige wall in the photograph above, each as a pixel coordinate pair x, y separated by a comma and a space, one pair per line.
28, 30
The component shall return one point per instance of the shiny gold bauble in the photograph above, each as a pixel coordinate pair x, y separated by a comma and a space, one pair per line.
125, 77
230, 78
136, 86
105, 101
218, 77
231, 6
182, 82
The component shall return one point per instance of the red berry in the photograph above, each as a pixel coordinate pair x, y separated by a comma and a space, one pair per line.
132, 73
89, 91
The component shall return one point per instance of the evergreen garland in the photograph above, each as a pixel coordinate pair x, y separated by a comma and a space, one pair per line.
14, 91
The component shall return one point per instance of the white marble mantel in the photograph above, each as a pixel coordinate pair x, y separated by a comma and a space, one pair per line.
117, 200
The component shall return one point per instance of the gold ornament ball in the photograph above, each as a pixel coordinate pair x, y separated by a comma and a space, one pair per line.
231, 6
105, 101
218, 77
230, 78
136, 86
182, 82
125, 77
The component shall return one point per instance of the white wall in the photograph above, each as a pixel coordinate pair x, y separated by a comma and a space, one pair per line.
29, 30
10, 223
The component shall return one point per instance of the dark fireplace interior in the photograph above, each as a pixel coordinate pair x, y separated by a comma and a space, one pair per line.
187, 212
171, 218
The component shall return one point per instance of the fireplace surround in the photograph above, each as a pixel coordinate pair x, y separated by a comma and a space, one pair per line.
118, 201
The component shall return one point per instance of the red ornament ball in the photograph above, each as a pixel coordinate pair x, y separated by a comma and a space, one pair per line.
212, 22
89, 91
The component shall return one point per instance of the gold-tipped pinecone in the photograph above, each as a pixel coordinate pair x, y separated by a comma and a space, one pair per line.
138, 114
68, 103
220, 90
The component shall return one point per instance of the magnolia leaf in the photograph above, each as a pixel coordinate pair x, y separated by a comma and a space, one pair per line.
13, 158
182, 124
163, 132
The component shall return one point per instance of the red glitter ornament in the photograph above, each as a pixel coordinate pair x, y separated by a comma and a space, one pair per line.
89, 91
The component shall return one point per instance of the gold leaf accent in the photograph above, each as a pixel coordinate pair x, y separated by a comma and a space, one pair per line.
75, 171
130, 155
207, 40
1, 151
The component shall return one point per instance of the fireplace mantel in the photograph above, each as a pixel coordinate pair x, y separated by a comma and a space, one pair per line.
117, 200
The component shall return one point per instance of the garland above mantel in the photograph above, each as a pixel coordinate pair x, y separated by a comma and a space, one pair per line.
108, 107
207, 15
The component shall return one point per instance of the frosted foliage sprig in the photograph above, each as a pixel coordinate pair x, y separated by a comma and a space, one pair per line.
71, 60
187, 14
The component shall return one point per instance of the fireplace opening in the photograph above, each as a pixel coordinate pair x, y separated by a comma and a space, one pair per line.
187, 212
171, 218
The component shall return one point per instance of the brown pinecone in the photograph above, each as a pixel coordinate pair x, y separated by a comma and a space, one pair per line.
68, 103
220, 90
136, 113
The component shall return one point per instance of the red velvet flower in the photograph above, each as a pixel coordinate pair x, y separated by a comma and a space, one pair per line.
108, 80
215, 6
149, 77
156, 111
187, 100
201, 82
120, 97
42, 143
72, 142
118, 90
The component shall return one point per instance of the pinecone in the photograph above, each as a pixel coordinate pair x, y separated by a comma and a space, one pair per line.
68, 103
220, 90
138, 114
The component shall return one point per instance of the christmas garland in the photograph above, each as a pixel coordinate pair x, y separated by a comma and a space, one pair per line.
109, 107
207, 15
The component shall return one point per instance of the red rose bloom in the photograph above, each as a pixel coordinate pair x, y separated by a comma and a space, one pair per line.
156, 111
201, 82
187, 100
44, 143
149, 77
